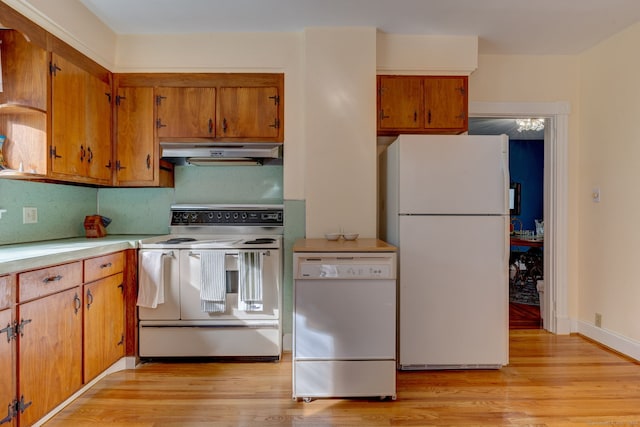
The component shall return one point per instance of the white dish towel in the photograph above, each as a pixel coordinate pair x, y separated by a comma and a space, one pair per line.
250, 281
213, 286
151, 280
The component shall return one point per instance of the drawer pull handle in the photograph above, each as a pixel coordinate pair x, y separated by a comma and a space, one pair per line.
107, 265
52, 279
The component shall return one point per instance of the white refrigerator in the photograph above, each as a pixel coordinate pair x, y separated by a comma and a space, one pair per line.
447, 210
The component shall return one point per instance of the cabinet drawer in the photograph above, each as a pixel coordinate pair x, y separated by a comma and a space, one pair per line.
103, 266
37, 283
7, 284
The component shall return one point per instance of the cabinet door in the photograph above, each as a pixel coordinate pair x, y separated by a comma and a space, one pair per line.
50, 352
400, 102
7, 369
136, 148
248, 112
98, 130
68, 143
186, 112
103, 324
446, 103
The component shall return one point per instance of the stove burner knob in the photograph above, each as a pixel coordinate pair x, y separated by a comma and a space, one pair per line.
185, 215
244, 215
227, 215
235, 215
210, 215
194, 216
219, 215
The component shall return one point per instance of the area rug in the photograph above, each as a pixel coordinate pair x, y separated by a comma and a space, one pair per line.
524, 292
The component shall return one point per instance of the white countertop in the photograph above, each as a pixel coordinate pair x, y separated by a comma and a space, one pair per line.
27, 256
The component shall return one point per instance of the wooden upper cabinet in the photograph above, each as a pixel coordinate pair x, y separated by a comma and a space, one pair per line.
422, 104
81, 123
23, 103
67, 117
24, 66
186, 112
401, 102
446, 103
99, 124
248, 112
136, 150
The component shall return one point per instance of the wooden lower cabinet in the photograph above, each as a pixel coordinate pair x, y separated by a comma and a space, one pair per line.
50, 352
103, 324
7, 370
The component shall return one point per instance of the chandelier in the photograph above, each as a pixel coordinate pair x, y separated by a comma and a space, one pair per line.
530, 124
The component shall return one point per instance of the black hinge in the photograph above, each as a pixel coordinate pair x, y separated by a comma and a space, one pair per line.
159, 124
108, 96
20, 327
21, 406
276, 99
119, 166
159, 99
10, 330
462, 90
53, 154
276, 124
53, 68
119, 98
12, 412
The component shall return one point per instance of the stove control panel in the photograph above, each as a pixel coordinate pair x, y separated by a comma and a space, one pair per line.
248, 217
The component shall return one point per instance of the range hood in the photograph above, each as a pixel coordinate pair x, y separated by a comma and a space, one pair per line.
216, 153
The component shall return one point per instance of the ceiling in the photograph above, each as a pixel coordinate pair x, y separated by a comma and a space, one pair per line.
540, 27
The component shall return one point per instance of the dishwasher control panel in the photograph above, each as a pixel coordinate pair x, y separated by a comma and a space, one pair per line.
345, 266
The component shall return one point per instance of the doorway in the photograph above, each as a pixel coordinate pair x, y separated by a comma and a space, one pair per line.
554, 297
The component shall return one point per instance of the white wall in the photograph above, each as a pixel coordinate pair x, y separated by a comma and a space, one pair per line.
531, 79
610, 159
340, 130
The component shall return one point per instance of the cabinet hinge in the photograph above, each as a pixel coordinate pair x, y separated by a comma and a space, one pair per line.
276, 99
12, 412
53, 68
119, 98
159, 124
276, 124
159, 99
462, 90
119, 166
20, 326
21, 406
53, 154
108, 96
10, 330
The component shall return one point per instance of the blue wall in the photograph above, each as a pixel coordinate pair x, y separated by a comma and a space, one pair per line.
526, 166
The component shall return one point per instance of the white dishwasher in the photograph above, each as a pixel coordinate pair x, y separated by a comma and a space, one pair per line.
344, 329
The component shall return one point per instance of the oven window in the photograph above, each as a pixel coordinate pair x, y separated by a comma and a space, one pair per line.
232, 281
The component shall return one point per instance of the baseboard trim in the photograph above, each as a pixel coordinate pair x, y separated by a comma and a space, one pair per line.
610, 339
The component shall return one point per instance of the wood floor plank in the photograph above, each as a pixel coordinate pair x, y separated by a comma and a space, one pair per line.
550, 381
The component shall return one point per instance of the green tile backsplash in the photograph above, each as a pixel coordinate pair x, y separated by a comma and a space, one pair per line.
61, 210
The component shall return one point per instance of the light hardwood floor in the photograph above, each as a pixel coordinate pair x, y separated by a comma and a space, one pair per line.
550, 381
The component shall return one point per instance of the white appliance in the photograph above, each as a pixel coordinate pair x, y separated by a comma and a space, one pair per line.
180, 326
344, 330
447, 210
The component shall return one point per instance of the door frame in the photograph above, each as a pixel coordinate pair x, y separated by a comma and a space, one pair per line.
556, 164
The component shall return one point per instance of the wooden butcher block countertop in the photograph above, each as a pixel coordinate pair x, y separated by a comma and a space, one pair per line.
341, 245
